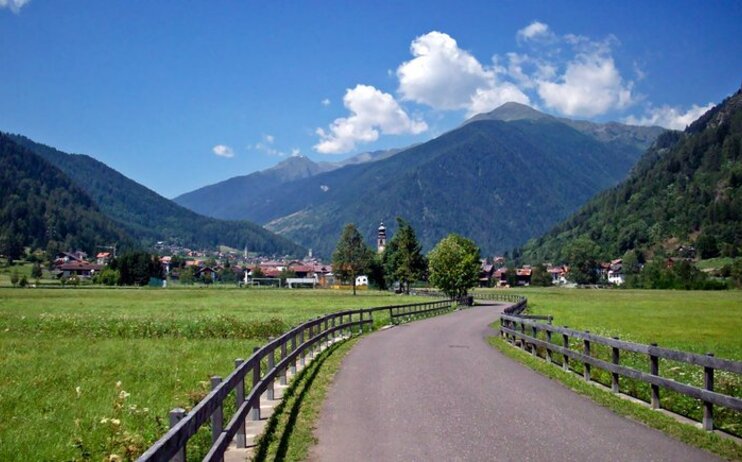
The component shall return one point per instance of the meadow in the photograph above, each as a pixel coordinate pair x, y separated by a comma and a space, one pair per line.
695, 321
89, 372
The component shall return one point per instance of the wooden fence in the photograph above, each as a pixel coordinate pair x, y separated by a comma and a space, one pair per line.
516, 329
280, 355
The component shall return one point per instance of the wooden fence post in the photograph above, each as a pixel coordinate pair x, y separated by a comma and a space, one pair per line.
548, 341
565, 358
360, 316
176, 415
534, 334
615, 359
586, 344
217, 417
708, 408
270, 392
282, 377
239, 394
523, 332
292, 367
255, 380
654, 369
303, 354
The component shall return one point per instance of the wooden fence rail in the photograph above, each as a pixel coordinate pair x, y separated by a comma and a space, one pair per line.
292, 349
515, 328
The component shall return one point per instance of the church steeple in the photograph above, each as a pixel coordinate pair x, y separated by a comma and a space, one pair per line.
381, 238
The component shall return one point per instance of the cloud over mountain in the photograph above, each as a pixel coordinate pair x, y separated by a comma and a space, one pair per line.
372, 112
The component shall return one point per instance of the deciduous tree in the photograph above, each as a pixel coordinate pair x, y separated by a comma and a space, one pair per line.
454, 265
352, 256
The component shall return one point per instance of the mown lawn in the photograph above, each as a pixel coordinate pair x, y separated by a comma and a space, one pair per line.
694, 321
697, 321
63, 352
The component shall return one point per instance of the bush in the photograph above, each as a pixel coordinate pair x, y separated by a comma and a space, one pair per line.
107, 277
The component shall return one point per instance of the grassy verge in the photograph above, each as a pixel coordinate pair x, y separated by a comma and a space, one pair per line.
290, 431
686, 433
63, 352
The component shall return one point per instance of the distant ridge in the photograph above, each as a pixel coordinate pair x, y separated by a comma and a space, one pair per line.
640, 137
149, 217
686, 189
232, 199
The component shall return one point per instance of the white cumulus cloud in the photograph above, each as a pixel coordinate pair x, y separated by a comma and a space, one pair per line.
590, 85
223, 150
445, 77
372, 112
13, 5
326, 102
533, 31
669, 117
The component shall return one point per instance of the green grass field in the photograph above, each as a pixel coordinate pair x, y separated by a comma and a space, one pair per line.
63, 351
694, 321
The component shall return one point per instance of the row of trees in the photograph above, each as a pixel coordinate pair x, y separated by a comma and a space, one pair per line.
452, 266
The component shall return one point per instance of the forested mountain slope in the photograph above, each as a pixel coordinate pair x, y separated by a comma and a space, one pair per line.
686, 189
234, 198
149, 217
43, 209
494, 181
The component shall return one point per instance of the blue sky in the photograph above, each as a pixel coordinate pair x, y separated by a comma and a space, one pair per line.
177, 95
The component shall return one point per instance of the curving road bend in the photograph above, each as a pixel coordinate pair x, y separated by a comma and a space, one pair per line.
435, 390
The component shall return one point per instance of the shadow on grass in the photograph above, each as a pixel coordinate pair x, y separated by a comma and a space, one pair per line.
294, 395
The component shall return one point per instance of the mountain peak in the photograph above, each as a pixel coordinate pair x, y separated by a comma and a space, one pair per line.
511, 111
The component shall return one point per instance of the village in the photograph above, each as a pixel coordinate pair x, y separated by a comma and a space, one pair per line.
229, 266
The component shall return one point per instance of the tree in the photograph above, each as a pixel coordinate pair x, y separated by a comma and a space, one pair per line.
454, 265
14, 277
403, 258
352, 256
540, 277
257, 272
136, 268
187, 275
36, 271
11, 245
582, 256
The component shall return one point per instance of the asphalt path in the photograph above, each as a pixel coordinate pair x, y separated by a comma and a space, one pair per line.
435, 390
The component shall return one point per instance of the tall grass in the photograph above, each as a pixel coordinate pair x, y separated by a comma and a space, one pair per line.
67, 355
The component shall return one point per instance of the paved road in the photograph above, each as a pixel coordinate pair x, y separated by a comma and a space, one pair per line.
433, 390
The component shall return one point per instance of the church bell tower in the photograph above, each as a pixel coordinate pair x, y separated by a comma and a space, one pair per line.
381, 238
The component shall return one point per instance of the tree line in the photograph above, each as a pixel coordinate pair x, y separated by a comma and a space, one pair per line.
453, 265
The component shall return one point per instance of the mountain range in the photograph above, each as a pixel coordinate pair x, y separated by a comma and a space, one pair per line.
500, 178
135, 211
685, 190
43, 208
233, 199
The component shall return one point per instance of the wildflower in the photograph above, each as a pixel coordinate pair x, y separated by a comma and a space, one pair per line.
115, 422
104, 420
118, 384
114, 458
123, 394
78, 390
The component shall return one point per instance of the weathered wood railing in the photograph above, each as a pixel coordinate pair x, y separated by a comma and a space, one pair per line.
515, 328
292, 349
401, 313
519, 302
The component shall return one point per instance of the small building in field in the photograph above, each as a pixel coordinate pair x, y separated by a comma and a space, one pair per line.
81, 269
